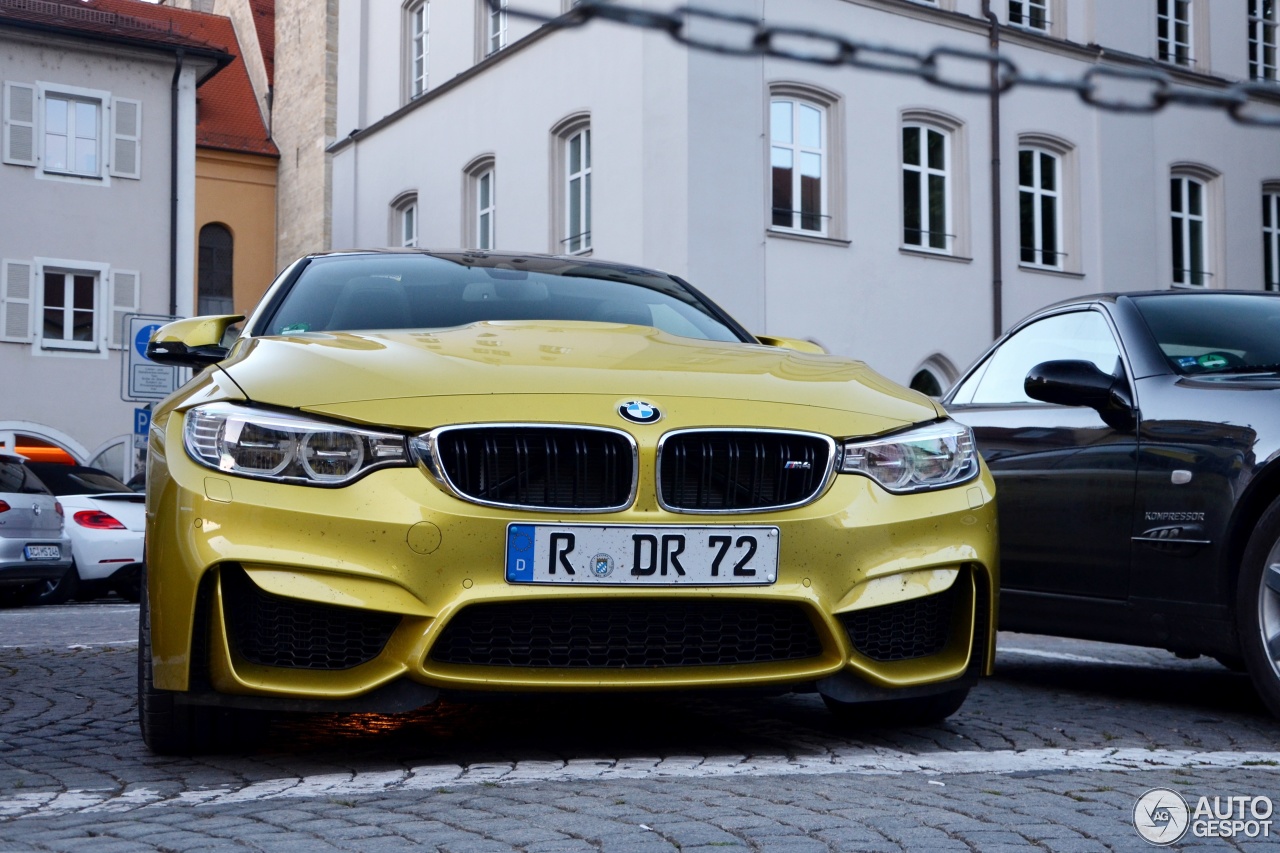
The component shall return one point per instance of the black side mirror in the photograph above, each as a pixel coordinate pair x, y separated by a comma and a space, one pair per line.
1081, 383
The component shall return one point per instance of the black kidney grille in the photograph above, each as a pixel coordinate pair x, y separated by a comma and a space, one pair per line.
270, 630
540, 467
640, 634
728, 471
905, 630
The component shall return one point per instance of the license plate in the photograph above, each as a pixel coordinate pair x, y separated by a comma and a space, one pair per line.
725, 555
43, 552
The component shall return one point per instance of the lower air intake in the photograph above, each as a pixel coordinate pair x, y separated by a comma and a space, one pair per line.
627, 634
906, 630
271, 630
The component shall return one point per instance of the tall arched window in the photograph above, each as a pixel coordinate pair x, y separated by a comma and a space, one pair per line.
1193, 212
571, 185
215, 294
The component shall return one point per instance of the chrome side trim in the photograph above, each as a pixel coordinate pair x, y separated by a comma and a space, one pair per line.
828, 476
426, 448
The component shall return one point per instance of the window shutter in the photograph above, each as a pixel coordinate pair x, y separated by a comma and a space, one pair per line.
19, 124
126, 138
15, 301
124, 301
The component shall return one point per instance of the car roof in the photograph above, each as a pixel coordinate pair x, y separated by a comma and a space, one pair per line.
493, 257
1114, 296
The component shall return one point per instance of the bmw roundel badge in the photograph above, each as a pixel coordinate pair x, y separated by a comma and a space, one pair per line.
639, 412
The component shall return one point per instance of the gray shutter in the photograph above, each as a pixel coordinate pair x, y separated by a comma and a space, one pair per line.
124, 301
19, 124
126, 138
15, 301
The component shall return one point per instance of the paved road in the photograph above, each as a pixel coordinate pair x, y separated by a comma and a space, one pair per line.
1050, 755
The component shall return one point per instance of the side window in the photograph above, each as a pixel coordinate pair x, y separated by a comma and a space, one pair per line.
1082, 335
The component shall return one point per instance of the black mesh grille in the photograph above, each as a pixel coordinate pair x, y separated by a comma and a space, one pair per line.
627, 634
905, 630
538, 467
741, 470
273, 631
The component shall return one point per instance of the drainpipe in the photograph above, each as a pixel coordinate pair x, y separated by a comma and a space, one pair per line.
997, 256
173, 187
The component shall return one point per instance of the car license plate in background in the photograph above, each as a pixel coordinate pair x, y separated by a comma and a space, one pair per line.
43, 552
642, 556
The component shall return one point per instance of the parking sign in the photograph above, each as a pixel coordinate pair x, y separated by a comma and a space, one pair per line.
143, 378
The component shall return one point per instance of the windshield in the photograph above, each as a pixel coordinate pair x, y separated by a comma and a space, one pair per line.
419, 291
1215, 332
77, 479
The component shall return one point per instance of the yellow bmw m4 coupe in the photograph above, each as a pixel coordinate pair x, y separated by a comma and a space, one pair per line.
418, 474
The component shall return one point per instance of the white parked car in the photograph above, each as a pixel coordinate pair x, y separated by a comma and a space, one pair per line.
35, 551
106, 520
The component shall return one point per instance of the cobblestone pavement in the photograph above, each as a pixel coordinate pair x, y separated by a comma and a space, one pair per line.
1050, 755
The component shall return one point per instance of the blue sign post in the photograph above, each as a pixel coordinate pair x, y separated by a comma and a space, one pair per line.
141, 421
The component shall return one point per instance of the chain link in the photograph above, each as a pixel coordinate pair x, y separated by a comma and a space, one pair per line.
1107, 87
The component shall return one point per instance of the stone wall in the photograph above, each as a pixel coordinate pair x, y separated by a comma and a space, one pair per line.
304, 123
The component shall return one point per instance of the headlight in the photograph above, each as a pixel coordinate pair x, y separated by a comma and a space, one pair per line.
928, 457
286, 448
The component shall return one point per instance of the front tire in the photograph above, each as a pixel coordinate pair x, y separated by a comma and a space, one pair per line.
1258, 608
916, 711
171, 727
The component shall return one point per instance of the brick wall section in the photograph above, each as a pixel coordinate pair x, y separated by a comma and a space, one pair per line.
304, 123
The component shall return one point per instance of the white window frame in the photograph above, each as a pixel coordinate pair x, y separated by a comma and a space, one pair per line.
1271, 237
1263, 44
73, 134
1170, 14
98, 345
925, 172
405, 221
577, 231
417, 48
485, 221
797, 150
495, 27
99, 97
1184, 221
472, 211
1022, 14
1040, 194
559, 233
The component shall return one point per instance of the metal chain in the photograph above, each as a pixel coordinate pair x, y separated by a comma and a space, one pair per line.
1107, 87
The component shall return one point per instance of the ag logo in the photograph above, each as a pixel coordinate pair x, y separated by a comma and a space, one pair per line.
639, 412
1161, 816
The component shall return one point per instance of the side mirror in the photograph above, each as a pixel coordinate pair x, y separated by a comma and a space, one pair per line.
195, 342
791, 343
1081, 383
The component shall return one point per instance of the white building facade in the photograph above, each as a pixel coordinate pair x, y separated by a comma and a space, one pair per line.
88, 192
851, 207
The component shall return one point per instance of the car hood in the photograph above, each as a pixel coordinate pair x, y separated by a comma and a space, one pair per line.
341, 373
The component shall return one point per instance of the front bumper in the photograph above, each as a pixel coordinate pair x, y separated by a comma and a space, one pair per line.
263, 591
